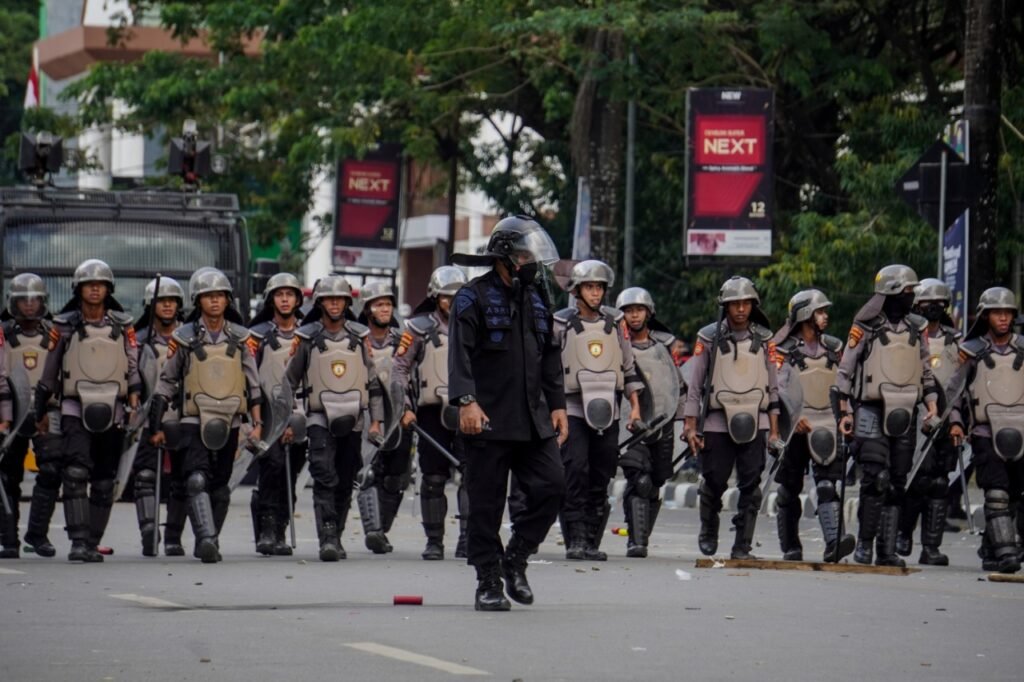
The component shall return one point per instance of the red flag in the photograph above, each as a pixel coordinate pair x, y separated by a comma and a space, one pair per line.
32, 87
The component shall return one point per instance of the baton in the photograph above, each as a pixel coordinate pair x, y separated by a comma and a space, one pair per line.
289, 488
963, 484
440, 448
156, 515
643, 433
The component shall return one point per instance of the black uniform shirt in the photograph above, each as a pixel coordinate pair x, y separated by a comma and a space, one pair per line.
502, 351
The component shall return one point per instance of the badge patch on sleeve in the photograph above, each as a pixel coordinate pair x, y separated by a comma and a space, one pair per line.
54, 338
253, 345
698, 349
130, 335
404, 343
172, 348
295, 346
856, 334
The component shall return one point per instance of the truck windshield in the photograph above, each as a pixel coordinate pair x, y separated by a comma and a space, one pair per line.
135, 250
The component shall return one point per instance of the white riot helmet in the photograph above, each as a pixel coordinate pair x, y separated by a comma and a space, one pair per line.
445, 281
92, 270
932, 289
591, 271
25, 286
635, 296
804, 304
169, 288
893, 279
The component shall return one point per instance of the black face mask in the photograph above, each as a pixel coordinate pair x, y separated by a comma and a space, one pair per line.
933, 312
527, 274
899, 306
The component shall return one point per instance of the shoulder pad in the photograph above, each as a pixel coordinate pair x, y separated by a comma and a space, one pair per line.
421, 324
69, 319
662, 337
707, 332
760, 332
123, 319
787, 345
972, 347
260, 330
185, 335
957, 334
8, 327
831, 343
236, 331
916, 321
360, 330
566, 314
870, 325
309, 331
614, 313
1017, 341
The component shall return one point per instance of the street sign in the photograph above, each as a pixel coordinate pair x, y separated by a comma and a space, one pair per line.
921, 186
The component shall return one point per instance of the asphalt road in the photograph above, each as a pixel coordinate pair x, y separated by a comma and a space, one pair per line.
252, 618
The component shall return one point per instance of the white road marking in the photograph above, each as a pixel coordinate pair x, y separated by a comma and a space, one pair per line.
11, 571
148, 601
411, 657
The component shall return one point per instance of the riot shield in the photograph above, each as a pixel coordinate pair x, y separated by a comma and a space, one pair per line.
791, 405
149, 371
661, 382
21, 396
394, 408
124, 467
279, 401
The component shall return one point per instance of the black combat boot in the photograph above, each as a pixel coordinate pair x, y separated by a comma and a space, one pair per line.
76, 514
514, 568
372, 516
268, 534
489, 595
330, 549
639, 527
788, 522
177, 510
885, 543
1001, 536
744, 522
912, 509
828, 516
933, 523
281, 546
200, 511
11, 547
40, 512
707, 540
596, 525
870, 512
575, 540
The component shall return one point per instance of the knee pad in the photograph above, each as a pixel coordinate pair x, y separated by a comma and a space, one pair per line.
145, 479
883, 482
102, 492
785, 497
393, 484
433, 486
826, 492
874, 451
76, 474
221, 494
997, 502
938, 487
48, 477
637, 457
196, 483
755, 500
644, 486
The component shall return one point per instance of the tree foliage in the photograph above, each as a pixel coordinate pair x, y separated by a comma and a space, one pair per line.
862, 88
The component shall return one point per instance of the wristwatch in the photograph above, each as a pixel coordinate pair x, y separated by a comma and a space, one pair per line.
467, 399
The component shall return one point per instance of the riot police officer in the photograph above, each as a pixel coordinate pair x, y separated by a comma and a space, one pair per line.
272, 331
421, 363
162, 314
599, 369
26, 330
509, 421
810, 357
992, 359
8, 522
885, 369
92, 366
331, 361
211, 372
927, 495
733, 387
390, 470
648, 463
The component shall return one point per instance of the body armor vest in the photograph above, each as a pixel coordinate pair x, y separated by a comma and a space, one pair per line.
891, 372
592, 362
173, 412
215, 386
95, 372
273, 362
943, 356
817, 376
28, 351
997, 398
661, 378
740, 384
337, 378
433, 371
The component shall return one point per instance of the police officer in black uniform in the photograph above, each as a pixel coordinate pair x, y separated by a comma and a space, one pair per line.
505, 375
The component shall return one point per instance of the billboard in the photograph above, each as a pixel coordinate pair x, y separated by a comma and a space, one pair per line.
729, 176
367, 216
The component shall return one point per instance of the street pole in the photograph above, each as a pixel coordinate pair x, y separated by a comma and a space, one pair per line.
942, 210
627, 248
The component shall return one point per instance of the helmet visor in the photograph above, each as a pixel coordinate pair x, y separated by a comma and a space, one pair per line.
534, 245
